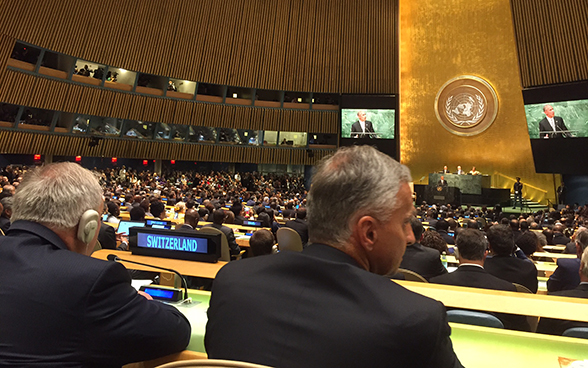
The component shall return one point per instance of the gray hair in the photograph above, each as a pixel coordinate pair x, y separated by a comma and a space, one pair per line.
7, 203
57, 195
585, 263
353, 182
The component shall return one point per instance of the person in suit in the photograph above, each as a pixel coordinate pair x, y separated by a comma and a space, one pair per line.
571, 246
422, 260
558, 326
442, 227
445, 170
218, 217
503, 264
565, 276
518, 193
459, 171
300, 225
261, 242
558, 235
325, 306
442, 182
69, 309
6, 213
471, 253
552, 126
362, 128
191, 218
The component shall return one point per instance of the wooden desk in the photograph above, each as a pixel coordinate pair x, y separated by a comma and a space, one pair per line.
553, 255
503, 301
186, 268
554, 248
475, 346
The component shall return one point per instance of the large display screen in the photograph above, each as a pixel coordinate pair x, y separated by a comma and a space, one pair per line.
557, 122
369, 120
563, 119
368, 123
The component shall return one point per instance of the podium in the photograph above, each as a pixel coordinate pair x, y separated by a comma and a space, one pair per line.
436, 194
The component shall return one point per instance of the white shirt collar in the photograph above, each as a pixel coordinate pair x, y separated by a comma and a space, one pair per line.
471, 264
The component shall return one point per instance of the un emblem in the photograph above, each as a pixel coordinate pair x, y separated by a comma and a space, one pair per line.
466, 105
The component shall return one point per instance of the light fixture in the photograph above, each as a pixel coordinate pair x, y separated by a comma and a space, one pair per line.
246, 134
78, 158
299, 99
235, 95
122, 70
313, 100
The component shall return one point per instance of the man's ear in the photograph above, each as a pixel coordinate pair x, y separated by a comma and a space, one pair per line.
365, 232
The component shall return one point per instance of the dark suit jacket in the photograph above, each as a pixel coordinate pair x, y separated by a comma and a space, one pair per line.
545, 127
185, 227
561, 239
107, 237
230, 237
448, 238
442, 183
4, 224
513, 269
318, 308
357, 132
61, 308
566, 276
558, 326
477, 277
422, 260
301, 228
570, 248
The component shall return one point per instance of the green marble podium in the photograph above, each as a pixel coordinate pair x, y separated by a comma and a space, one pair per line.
468, 184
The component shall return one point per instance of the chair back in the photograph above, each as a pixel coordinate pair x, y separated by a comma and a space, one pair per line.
533, 321
579, 332
473, 318
206, 363
225, 251
411, 275
288, 240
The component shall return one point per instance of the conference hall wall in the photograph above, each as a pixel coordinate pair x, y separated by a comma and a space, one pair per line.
276, 45
439, 42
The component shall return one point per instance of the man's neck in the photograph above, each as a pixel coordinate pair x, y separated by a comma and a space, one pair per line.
463, 262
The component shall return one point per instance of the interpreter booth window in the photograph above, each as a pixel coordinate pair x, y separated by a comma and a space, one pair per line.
180, 88
270, 138
81, 124
121, 79
322, 140
8, 114
56, 65
65, 121
239, 96
88, 72
24, 57
250, 137
151, 84
294, 139
36, 119
268, 98
171, 131
209, 92
297, 100
110, 127
202, 134
229, 136
325, 101
138, 129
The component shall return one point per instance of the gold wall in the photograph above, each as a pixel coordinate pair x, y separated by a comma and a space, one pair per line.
440, 40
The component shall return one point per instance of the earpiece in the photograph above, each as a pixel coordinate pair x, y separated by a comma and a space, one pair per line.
88, 226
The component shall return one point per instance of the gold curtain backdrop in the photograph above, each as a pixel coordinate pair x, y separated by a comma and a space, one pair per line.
441, 40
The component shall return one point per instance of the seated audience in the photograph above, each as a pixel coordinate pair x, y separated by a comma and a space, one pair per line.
113, 212
300, 225
422, 260
431, 239
442, 228
471, 253
558, 237
503, 264
158, 209
137, 213
558, 326
328, 303
69, 309
261, 242
566, 276
218, 217
571, 246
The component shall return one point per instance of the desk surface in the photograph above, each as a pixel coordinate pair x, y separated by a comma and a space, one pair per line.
186, 268
503, 301
475, 346
553, 255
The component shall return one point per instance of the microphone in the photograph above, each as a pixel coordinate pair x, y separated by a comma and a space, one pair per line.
115, 258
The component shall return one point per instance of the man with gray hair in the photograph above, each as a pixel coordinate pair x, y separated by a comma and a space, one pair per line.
325, 306
565, 276
558, 326
60, 307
